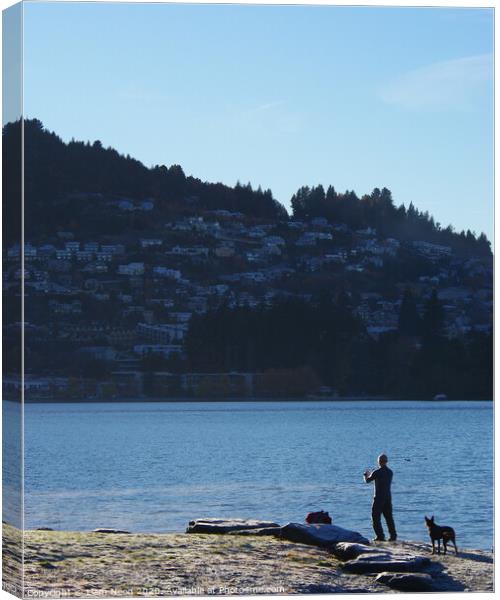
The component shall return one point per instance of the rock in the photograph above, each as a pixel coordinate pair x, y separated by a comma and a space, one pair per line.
349, 550
263, 531
104, 530
376, 563
321, 535
227, 525
408, 582
44, 529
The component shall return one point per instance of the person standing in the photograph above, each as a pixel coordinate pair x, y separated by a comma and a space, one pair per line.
382, 502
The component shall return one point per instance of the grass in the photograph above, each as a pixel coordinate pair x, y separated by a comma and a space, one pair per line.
90, 564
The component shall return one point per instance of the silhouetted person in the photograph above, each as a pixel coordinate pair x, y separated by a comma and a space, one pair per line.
382, 503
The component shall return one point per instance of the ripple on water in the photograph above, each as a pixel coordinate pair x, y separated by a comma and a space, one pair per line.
132, 465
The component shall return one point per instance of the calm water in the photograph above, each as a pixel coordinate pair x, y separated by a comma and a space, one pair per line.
155, 466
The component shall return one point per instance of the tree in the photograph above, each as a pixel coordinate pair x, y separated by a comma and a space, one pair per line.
55, 171
409, 322
316, 202
433, 318
299, 202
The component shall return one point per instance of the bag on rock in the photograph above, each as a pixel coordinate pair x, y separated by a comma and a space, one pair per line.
318, 517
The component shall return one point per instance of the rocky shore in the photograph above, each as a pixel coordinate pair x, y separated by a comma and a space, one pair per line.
241, 559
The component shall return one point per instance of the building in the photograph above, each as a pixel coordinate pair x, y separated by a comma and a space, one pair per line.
72, 246
113, 249
432, 251
225, 251
162, 333
185, 251
167, 273
165, 350
133, 268
151, 243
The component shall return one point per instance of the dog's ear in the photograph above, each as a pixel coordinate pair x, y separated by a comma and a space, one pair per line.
432, 518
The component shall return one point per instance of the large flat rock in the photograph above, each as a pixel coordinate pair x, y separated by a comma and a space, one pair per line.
350, 550
386, 561
262, 531
321, 535
407, 582
227, 525
108, 530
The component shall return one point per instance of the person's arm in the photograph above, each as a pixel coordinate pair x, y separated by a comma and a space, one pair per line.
370, 476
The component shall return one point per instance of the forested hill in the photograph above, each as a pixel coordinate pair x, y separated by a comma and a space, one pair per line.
54, 170
377, 210
57, 173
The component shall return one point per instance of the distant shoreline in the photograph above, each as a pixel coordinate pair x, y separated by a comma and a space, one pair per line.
186, 399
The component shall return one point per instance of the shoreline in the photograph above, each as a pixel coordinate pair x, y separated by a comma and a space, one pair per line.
188, 399
42, 529
90, 564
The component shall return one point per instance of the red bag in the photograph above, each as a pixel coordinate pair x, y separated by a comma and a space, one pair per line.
319, 517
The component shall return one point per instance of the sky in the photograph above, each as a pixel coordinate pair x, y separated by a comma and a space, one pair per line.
279, 96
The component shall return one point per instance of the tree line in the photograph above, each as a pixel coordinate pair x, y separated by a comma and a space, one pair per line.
378, 210
326, 337
53, 170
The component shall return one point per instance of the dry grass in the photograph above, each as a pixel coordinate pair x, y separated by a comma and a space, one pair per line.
70, 564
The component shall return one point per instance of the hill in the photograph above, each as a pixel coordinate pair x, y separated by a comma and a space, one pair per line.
60, 178
377, 210
68, 182
131, 274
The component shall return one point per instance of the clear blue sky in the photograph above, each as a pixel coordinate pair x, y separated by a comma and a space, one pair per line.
279, 96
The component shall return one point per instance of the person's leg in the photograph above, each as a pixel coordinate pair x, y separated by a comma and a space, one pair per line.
387, 512
376, 513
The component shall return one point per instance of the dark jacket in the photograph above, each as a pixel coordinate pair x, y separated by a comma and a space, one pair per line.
382, 478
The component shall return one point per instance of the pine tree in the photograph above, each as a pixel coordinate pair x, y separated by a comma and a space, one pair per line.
433, 319
409, 322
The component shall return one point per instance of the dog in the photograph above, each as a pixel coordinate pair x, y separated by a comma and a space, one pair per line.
440, 532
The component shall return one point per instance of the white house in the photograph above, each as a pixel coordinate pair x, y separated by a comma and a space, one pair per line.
151, 243
133, 268
166, 350
167, 273
163, 333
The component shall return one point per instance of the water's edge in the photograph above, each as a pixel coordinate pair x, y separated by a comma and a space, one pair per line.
245, 399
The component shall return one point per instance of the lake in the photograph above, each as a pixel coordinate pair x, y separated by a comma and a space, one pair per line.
155, 466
